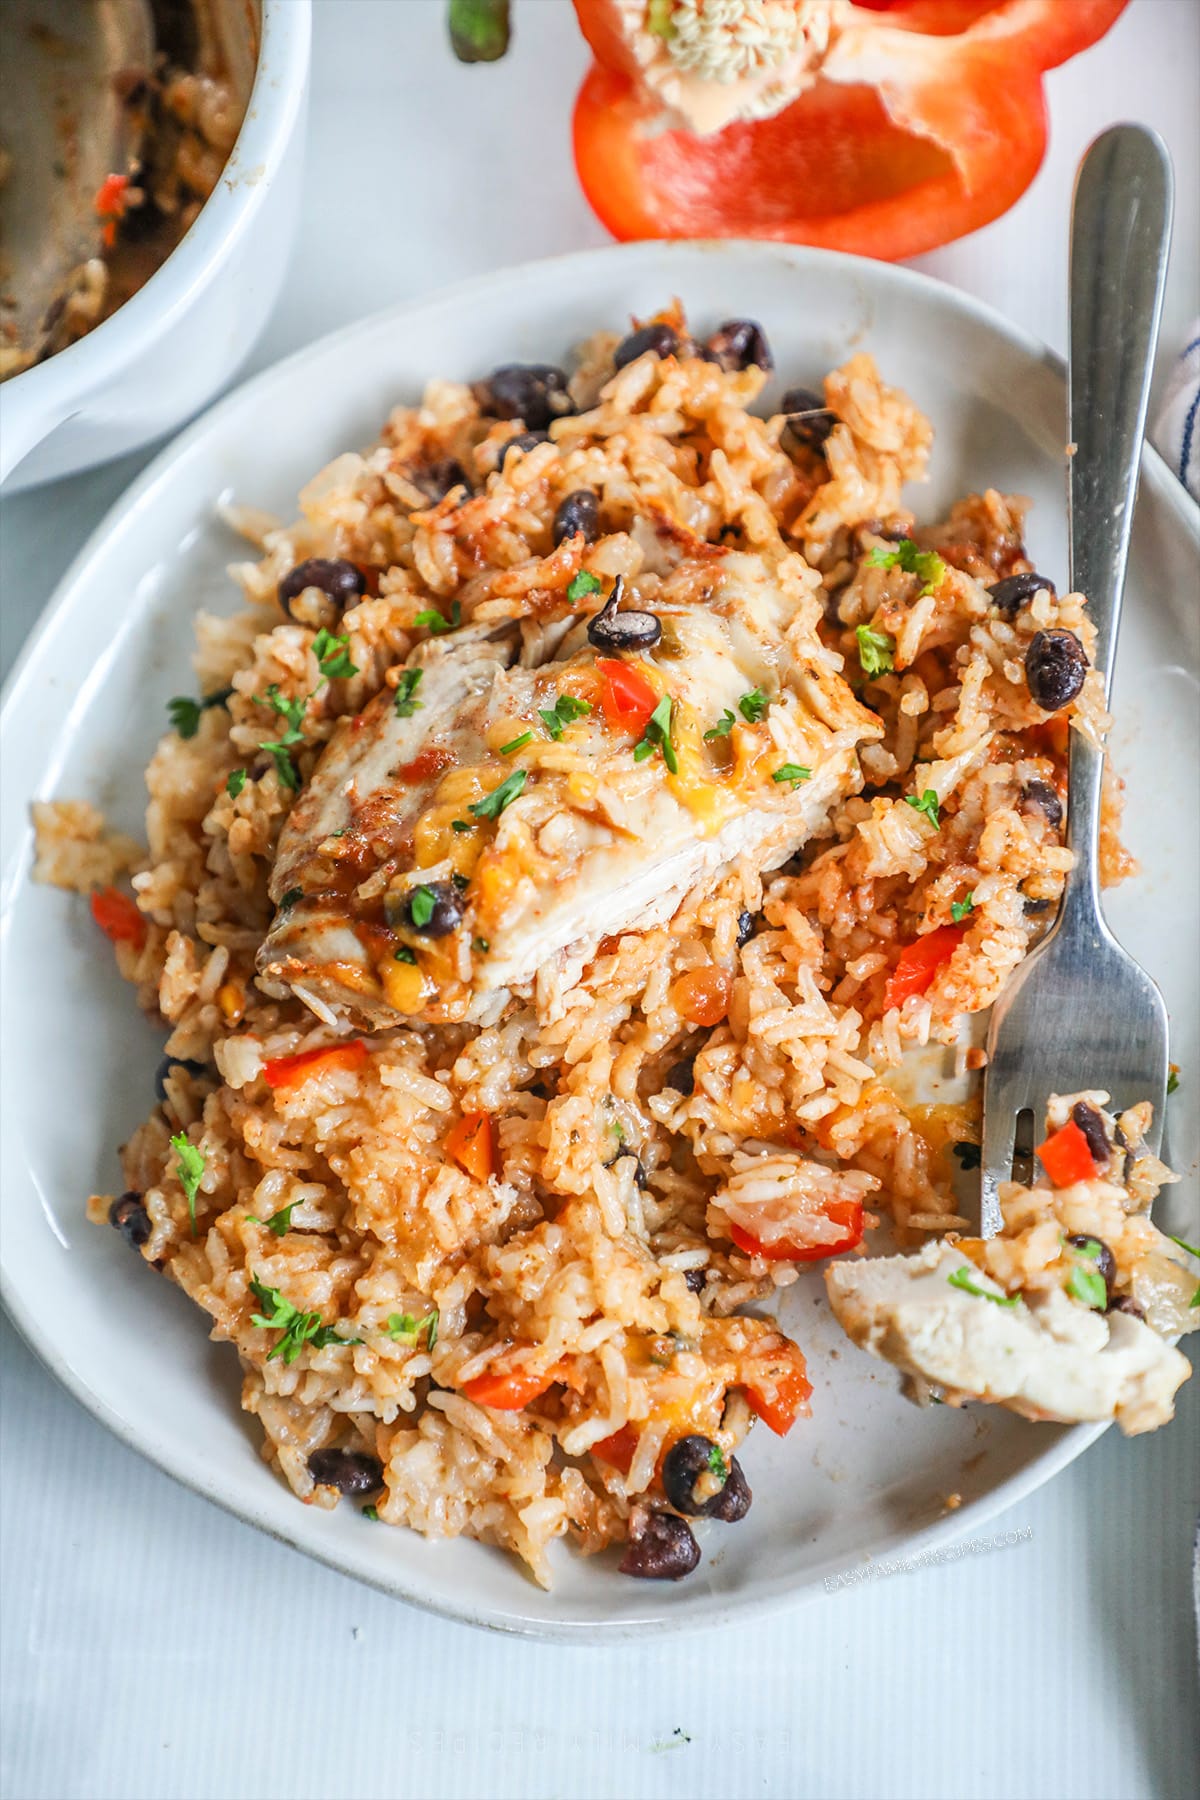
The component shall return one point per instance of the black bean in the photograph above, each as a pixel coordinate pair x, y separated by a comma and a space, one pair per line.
174, 1062
579, 512
659, 338
1011, 594
524, 441
335, 577
802, 400
682, 1075
746, 924
696, 1280
129, 1216
809, 420
688, 1459
741, 344
615, 630
1104, 1261
349, 1471
534, 392
661, 1547
1125, 1303
1044, 797
447, 908
640, 1177
1030, 907
733, 1501
1092, 1127
439, 478
1054, 668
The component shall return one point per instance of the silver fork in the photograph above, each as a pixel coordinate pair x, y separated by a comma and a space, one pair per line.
1079, 1012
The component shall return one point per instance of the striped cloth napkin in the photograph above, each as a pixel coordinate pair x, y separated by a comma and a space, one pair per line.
1176, 430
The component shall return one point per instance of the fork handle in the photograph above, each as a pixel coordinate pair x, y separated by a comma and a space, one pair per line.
1120, 233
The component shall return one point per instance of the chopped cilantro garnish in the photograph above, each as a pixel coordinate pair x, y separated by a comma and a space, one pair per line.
462, 882
565, 709
927, 804
1191, 1249
369, 1512
480, 944
962, 1278
295, 1328
793, 772
926, 564
581, 585
1172, 1079
291, 710
405, 955
407, 1330
517, 743
1089, 1286
969, 1155
184, 712
432, 620
722, 728
960, 908
235, 781
717, 1463
285, 768
461, 825
493, 804
875, 650
281, 748
421, 904
753, 705
290, 898
406, 687
279, 1222
333, 656
658, 736
189, 1167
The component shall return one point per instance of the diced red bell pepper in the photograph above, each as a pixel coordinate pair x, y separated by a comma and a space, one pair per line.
919, 963
506, 1392
472, 1145
1066, 1156
847, 1213
625, 695
110, 204
118, 917
618, 1448
284, 1072
781, 1394
926, 121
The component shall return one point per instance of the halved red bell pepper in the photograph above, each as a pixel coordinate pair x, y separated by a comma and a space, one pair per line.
1066, 1156
118, 917
919, 963
926, 120
284, 1072
846, 1213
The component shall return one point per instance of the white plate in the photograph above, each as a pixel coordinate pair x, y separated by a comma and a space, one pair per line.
870, 1476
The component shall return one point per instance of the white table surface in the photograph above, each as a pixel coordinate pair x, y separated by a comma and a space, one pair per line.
153, 1647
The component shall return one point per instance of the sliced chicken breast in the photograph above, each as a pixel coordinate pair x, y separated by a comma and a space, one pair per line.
447, 856
1047, 1358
